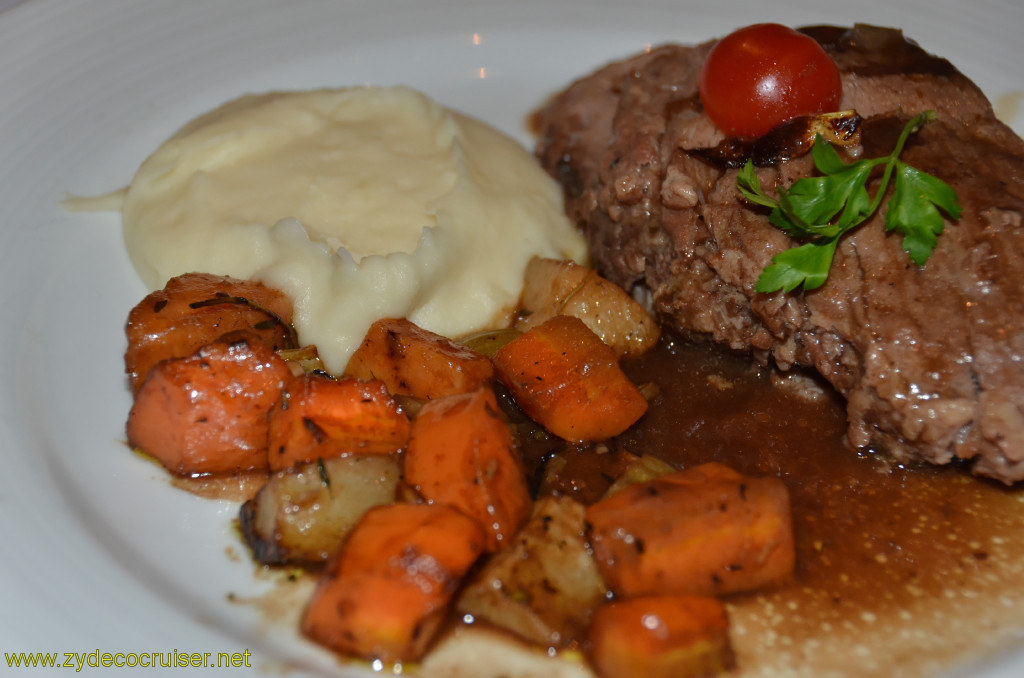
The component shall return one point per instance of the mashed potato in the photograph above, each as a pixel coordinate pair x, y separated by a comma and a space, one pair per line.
359, 203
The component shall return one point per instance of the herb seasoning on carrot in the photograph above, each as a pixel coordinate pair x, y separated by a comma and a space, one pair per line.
207, 413
707, 530
569, 381
461, 453
414, 362
318, 417
387, 591
196, 308
661, 637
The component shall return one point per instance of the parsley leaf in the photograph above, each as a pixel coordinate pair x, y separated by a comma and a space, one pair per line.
823, 208
805, 265
913, 210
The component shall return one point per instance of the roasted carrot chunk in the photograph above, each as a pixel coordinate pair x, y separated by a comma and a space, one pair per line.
661, 637
412, 361
390, 585
194, 309
569, 381
461, 453
319, 417
707, 530
207, 413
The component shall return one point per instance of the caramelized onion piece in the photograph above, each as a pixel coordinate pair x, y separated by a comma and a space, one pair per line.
789, 140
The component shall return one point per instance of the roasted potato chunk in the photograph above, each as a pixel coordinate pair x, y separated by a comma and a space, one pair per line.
640, 470
545, 585
302, 514
553, 287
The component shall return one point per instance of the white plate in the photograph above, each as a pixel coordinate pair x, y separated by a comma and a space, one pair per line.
99, 552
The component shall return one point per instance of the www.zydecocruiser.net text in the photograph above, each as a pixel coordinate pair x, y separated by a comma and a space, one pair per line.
96, 659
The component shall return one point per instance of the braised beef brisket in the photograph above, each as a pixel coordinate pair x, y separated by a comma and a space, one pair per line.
930, 359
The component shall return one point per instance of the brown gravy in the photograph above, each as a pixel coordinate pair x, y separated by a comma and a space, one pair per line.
900, 570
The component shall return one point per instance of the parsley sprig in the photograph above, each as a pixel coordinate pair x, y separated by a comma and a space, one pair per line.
824, 208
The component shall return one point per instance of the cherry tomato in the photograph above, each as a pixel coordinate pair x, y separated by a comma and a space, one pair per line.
760, 76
